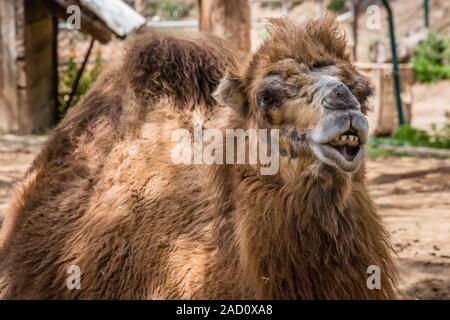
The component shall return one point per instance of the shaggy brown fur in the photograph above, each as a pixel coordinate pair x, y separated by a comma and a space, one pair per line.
104, 194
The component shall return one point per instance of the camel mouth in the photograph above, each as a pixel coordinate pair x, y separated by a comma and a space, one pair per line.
347, 144
345, 150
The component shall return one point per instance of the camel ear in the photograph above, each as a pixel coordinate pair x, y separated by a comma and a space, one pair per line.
229, 93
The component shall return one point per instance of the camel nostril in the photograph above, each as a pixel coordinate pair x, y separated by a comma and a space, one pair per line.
340, 98
340, 90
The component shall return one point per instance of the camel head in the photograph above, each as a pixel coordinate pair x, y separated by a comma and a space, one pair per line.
301, 81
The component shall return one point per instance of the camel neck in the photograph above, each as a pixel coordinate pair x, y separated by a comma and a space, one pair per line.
290, 234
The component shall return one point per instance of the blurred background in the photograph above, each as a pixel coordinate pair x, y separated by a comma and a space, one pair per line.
52, 51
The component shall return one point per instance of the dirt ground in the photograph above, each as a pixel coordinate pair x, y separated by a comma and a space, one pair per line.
412, 196
16, 155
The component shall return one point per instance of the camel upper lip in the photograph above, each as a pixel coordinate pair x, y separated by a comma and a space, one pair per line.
336, 124
344, 135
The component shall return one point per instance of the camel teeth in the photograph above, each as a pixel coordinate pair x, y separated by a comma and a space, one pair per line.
350, 139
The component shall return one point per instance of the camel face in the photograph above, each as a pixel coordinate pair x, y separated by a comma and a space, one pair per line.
340, 135
317, 111
302, 82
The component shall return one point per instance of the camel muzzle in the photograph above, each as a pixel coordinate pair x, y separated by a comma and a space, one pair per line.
339, 139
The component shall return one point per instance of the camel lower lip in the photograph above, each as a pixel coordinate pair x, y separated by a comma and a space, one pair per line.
348, 152
342, 159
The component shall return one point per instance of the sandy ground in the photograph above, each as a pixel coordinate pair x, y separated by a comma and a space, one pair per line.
412, 196
16, 155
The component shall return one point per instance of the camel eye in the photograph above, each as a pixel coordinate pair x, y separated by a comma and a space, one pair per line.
320, 64
267, 98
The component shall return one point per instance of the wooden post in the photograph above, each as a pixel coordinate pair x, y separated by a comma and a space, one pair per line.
203, 14
228, 19
355, 7
9, 110
141, 7
28, 88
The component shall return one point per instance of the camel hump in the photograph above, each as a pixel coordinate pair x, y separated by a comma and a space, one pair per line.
184, 68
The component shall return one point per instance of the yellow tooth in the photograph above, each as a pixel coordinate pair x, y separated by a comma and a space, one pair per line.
356, 138
352, 138
343, 137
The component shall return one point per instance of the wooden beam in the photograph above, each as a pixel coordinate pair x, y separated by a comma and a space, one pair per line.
100, 18
89, 23
116, 14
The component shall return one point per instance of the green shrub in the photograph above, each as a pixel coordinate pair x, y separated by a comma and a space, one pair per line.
431, 59
336, 5
441, 136
171, 9
374, 152
272, 4
412, 136
168, 9
407, 135
67, 76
